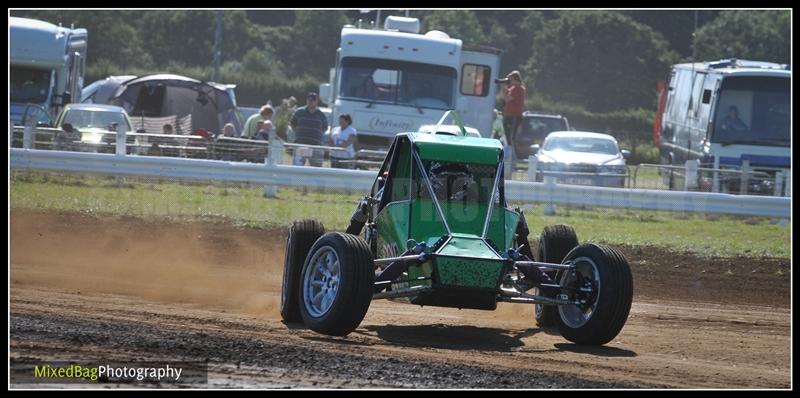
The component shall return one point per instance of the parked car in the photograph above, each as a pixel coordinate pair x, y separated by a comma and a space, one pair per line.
534, 127
97, 125
581, 158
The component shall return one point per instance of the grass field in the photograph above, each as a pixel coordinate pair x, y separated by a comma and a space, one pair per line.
245, 206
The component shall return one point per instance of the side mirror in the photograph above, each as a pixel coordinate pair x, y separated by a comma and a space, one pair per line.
534, 149
625, 153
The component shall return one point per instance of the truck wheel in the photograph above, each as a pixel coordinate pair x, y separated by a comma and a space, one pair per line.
555, 242
302, 235
336, 284
600, 318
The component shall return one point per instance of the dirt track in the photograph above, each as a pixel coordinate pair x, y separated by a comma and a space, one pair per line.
124, 289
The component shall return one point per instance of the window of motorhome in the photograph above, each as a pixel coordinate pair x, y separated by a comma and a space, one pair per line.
753, 110
475, 80
397, 82
683, 92
29, 84
697, 92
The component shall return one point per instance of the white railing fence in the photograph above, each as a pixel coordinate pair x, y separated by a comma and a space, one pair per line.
272, 174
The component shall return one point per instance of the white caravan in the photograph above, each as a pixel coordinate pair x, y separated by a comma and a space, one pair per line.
395, 79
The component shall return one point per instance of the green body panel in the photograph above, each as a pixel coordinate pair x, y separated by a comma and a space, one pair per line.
510, 227
460, 272
450, 148
467, 246
426, 225
466, 218
392, 224
401, 179
502, 226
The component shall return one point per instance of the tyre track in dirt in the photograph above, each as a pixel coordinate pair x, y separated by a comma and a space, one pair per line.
124, 288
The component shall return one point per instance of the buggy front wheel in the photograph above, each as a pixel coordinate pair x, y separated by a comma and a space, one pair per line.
336, 284
602, 282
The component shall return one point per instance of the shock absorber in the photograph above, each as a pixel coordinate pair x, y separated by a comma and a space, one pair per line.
522, 236
359, 217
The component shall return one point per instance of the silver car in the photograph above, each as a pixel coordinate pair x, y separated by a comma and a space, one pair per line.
581, 158
96, 126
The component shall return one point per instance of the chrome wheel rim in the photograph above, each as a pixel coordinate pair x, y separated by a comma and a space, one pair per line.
321, 281
573, 315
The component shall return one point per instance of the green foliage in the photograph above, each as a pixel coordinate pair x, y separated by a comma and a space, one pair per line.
461, 24
315, 39
676, 26
282, 116
601, 60
643, 153
756, 35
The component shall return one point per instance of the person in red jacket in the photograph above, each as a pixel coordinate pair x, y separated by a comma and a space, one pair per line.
514, 95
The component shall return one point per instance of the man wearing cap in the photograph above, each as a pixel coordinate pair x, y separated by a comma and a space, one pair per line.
264, 115
309, 125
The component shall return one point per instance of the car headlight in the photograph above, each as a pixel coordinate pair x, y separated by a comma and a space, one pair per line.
616, 169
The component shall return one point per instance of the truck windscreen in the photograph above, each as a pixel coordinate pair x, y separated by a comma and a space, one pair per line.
397, 82
753, 110
29, 84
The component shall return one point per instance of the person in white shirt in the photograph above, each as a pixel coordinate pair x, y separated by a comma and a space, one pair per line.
343, 136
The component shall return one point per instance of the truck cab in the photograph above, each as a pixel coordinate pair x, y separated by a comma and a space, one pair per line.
726, 113
47, 64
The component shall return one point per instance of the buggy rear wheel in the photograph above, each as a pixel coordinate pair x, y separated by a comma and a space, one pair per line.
302, 235
605, 278
555, 243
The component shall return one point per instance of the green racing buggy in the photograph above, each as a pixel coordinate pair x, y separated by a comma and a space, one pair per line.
435, 230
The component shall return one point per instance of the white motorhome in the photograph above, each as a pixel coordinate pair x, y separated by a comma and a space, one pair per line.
728, 111
47, 64
395, 79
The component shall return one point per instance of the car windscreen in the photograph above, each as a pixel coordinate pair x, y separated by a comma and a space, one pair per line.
29, 84
542, 126
397, 82
581, 144
83, 119
753, 110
